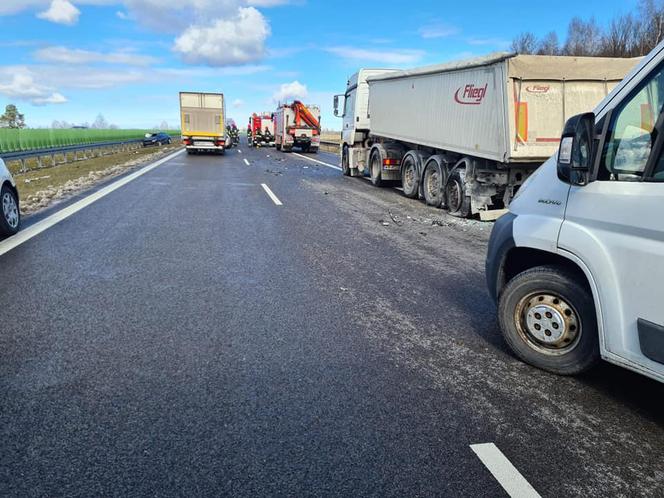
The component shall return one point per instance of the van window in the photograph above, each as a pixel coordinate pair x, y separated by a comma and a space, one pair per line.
626, 152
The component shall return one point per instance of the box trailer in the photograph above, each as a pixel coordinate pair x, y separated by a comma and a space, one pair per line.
466, 135
202, 117
297, 125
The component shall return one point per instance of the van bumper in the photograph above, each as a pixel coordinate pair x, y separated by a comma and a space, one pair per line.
500, 243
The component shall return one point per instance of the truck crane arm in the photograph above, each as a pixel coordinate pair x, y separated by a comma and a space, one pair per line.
303, 114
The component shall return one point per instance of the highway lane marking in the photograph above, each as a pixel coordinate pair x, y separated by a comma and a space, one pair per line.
239, 151
274, 198
503, 471
34, 230
246, 162
317, 161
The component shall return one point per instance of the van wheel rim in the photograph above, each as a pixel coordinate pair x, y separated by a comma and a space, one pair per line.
548, 323
10, 210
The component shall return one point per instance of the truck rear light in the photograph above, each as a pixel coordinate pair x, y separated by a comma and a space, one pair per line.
219, 143
187, 141
391, 162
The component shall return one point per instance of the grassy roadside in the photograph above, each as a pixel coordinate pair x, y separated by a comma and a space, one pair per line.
41, 187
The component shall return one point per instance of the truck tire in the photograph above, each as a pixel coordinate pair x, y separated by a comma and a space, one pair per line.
433, 180
375, 166
548, 320
345, 161
458, 201
313, 150
10, 214
410, 174
277, 146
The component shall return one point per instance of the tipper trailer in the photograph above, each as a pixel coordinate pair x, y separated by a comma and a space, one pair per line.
202, 117
467, 134
297, 125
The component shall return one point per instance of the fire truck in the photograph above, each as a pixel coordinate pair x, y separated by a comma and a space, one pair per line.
260, 132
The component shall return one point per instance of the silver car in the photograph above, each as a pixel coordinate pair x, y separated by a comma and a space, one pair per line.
10, 215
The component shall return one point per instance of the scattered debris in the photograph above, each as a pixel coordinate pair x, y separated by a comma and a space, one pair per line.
343, 289
395, 219
28, 180
440, 223
384, 223
423, 234
275, 173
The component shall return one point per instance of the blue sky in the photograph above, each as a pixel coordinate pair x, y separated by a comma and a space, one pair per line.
128, 59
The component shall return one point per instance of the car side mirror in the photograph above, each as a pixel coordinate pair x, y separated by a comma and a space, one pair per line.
577, 149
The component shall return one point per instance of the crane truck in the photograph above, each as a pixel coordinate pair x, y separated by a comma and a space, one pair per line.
297, 125
465, 135
202, 117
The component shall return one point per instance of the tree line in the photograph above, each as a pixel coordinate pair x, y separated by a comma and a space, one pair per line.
629, 35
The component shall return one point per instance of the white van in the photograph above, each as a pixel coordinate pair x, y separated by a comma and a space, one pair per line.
577, 265
10, 215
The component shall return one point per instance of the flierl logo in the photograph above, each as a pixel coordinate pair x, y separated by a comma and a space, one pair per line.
472, 95
538, 88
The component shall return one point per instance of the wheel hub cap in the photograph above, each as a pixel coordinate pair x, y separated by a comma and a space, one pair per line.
10, 210
549, 323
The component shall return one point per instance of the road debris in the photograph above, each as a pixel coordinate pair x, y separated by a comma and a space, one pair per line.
395, 219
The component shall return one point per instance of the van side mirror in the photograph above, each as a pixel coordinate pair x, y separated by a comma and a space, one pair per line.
577, 147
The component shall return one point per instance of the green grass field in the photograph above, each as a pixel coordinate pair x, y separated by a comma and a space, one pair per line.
12, 140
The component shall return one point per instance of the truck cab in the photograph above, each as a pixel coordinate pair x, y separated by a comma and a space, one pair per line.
353, 108
577, 265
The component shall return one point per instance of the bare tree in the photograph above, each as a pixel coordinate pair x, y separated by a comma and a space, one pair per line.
621, 37
651, 24
100, 123
525, 43
584, 38
549, 45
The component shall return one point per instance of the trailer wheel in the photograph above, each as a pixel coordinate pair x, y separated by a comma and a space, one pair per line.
410, 174
433, 181
277, 146
458, 201
376, 164
548, 319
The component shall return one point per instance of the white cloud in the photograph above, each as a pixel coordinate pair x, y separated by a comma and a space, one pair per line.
61, 12
239, 39
497, 42
22, 85
396, 56
237, 103
438, 30
55, 98
77, 56
291, 91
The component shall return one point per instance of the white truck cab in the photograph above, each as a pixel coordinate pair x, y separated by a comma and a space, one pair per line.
10, 215
577, 265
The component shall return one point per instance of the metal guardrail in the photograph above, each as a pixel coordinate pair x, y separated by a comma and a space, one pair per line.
26, 154
330, 144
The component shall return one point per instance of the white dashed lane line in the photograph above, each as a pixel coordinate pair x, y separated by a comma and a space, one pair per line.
246, 162
503, 471
274, 198
239, 151
317, 161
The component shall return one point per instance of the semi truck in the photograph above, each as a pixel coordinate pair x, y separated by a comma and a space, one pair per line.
466, 135
260, 131
576, 266
297, 125
202, 117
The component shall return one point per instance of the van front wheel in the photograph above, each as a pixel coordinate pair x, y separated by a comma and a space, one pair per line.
548, 320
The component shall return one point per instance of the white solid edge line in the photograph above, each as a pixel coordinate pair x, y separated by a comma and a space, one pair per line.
316, 161
34, 230
504, 472
274, 198
246, 162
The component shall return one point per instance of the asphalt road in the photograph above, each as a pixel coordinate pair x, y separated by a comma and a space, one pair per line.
186, 336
